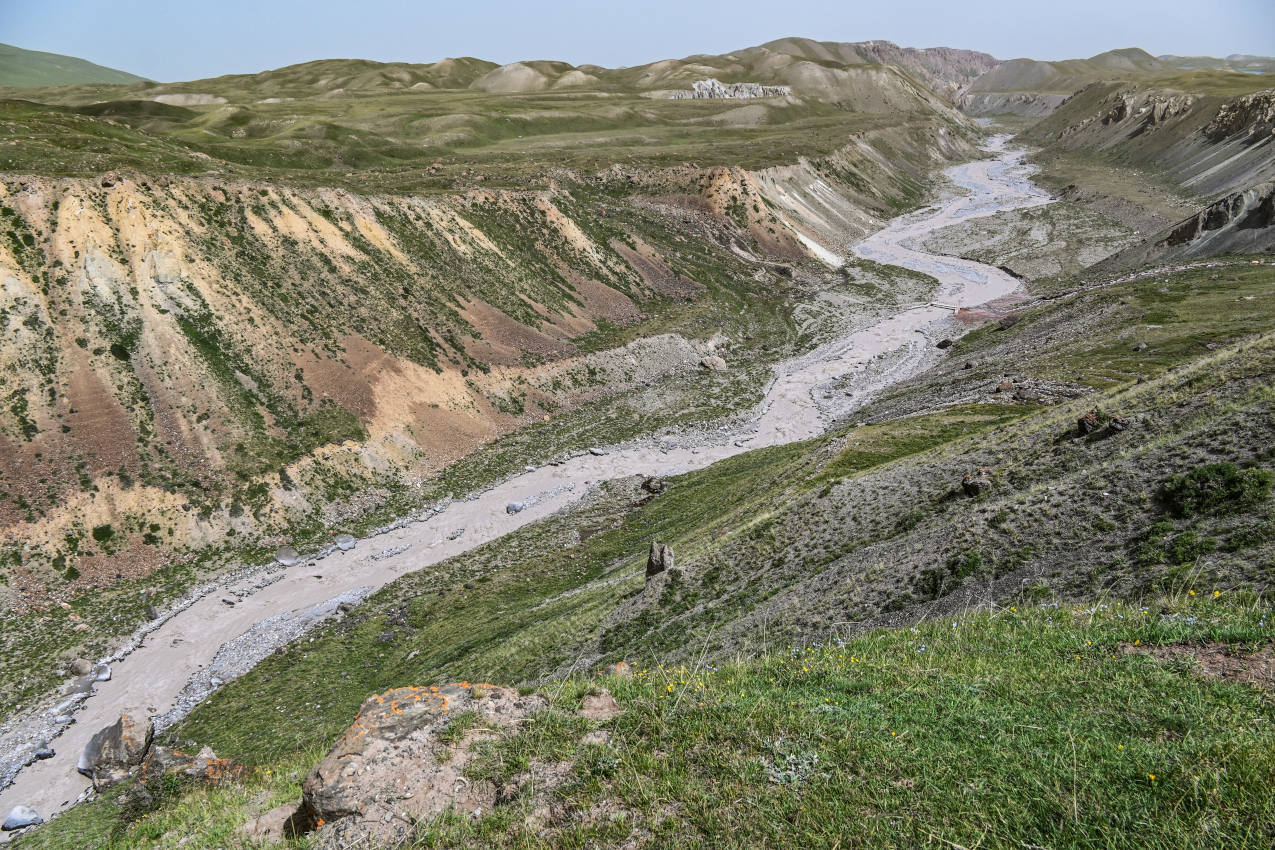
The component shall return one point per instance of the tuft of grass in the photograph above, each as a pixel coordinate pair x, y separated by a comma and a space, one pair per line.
1217, 488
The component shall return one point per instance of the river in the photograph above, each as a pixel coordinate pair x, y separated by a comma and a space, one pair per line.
210, 642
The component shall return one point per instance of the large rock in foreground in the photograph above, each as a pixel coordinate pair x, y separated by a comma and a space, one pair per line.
114, 752
384, 772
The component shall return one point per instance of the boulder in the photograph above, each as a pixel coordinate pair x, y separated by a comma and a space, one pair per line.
19, 817
655, 485
44, 750
395, 765
1026, 394
102, 673
345, 542
81, 667
944, 343
114, 752
713, 363
659, 559
1005, 387
978, 482
1089, 423
515, 507
1119, 423
152, 613
287, 556
1141, 346
109, 179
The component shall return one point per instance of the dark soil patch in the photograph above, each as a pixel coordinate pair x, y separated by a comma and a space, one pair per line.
1216, 659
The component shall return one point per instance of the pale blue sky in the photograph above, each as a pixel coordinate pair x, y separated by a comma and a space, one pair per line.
181, 39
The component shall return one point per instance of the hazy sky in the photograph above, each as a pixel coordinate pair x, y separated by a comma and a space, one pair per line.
184, 39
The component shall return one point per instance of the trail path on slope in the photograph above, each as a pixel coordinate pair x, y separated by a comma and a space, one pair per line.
210, 642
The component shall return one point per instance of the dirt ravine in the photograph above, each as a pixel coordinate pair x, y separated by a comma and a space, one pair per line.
160, 676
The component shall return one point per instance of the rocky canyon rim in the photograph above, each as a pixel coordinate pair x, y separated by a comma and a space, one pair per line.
173, 666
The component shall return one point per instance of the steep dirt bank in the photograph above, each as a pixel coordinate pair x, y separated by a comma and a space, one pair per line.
190, 361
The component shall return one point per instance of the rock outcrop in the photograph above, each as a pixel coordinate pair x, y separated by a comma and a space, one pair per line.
659, 559
1252, 114
978, 482
1240, 223
711, 88
115, 752
402, 760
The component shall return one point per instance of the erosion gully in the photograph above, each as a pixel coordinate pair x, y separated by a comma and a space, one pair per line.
210, 642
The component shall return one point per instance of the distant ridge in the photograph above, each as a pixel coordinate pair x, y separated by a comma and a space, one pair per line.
20, 68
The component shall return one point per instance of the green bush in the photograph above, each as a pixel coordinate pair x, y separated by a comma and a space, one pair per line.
103, 533
1218, 488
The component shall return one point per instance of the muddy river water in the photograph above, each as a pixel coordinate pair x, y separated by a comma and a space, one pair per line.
209, 642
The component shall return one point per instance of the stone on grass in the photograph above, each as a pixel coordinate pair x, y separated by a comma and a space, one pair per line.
345, 542
1119, 423
658, 559
600, 706
713, 363
978, 482
273, 826
81, 667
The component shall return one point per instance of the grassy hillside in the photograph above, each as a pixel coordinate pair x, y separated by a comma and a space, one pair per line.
21, 68
1032, 724
404, 126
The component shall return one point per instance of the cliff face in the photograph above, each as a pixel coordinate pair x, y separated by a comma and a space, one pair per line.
1205, 143
711, 88
1240, 223
188, 359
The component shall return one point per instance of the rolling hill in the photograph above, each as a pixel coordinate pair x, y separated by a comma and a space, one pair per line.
34, 68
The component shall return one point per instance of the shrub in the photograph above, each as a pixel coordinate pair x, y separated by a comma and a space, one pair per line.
103, 533
1218, 488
